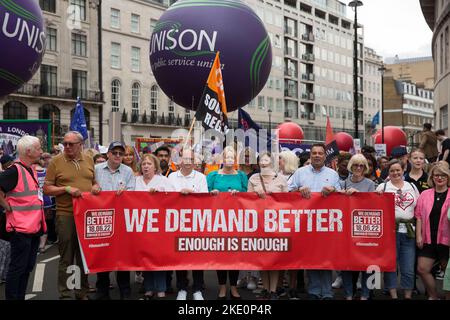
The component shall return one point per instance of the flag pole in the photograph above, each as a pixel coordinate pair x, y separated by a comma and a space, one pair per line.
191, 127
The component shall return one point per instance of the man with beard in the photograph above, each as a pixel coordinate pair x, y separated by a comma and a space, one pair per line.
163, 155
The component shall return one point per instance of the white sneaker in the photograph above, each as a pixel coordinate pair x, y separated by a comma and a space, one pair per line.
251, 285
358, 285
197, 295
182, 294
337, 283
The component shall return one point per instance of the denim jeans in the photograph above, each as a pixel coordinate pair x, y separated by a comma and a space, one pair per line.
23, 259
320, 282
347, 278
406, 253
155, 281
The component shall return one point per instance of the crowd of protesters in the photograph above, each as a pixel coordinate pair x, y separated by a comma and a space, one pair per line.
40, 186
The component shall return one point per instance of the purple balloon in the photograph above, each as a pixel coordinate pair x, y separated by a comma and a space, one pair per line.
22, 42
188, 35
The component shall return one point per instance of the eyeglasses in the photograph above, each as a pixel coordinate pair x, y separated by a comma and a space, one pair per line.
70, 144
440, 176
358, 165
117, 153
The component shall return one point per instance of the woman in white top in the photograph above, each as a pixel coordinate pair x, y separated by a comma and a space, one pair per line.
152, 181
406, 196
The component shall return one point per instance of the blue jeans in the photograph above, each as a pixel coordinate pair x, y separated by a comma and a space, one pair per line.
347, 278
320, 282
406, 254
23, 259
154, 281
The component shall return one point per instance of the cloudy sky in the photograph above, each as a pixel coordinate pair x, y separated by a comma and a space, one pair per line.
394, 27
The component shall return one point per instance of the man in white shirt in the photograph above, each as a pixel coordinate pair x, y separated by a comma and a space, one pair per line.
187, 180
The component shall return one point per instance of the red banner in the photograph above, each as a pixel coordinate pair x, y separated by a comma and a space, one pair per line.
169, 231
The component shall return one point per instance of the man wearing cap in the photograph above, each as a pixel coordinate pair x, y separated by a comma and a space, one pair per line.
69, 174
112, 175
428, 143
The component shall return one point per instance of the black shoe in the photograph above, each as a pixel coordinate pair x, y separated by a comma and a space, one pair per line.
99, 296
273, 296
146, 297
264, 295
221, 298
293, 295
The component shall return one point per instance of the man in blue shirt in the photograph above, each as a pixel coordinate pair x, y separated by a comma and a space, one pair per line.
317, 178
112, 175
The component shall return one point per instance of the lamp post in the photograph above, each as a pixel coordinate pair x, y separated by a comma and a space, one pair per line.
270, 120
355, 4
382, 69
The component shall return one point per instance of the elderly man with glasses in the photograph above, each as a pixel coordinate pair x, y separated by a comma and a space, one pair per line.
112, 175
68, 175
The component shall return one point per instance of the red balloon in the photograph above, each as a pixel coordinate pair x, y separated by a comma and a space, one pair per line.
290, 132
393, 137
344, 141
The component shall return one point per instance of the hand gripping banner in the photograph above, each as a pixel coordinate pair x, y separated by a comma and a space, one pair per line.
170, 231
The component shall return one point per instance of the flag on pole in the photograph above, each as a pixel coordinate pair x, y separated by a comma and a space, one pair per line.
329, 137
212, 110
246, 123
78, 122
375, 120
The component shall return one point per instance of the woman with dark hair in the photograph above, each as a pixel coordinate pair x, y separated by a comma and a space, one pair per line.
371, 173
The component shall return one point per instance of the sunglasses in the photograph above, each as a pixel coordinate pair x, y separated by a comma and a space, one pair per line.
357, 165
117, 153
70, 144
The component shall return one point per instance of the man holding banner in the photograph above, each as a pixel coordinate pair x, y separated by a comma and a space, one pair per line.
316, 177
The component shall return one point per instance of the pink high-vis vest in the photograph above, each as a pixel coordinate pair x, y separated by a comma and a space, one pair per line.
27, 215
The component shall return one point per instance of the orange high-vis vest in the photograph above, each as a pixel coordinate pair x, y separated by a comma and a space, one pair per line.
27, 215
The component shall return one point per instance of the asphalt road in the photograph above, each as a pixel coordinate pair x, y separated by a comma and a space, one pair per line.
43, 283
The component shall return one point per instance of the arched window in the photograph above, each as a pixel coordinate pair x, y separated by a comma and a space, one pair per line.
135, 97
15, 110
154, 100
115, 95
49, 111
87, 116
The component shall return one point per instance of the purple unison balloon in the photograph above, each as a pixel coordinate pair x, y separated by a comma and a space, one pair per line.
188, 35
22, 42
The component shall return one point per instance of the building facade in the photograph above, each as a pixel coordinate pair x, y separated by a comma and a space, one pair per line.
69, 69
407, 106
437, 15
372, 91
419, 70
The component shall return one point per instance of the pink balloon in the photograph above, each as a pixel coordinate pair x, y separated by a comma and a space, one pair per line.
393, 137
290, 132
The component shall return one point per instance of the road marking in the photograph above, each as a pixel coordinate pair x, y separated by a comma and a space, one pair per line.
50, 259
39, 277
29, 296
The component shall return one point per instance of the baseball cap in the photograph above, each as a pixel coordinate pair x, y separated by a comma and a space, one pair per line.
116, 144
399, 151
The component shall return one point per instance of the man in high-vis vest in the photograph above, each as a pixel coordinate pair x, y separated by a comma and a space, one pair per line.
22, 200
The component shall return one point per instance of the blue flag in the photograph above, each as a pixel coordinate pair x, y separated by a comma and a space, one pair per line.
245, 122
375, 119
78, 122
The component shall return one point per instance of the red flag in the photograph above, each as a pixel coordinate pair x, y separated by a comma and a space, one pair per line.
329, 135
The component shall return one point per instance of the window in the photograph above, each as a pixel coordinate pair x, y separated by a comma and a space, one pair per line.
48, 80
79, 44
441, 54
80, 9
115, 55
154, 100
135, 23
261, 102
135, 59
171, 108
446, 49
48, 5
115, 18
135, 97
115, 95
279, 105
269, 103
49, 111
443, 117
153, 23
51, 39
79, 84
15, 110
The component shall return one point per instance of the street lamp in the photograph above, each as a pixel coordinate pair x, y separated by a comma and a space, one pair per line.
355, 4
270, 120
382, 69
